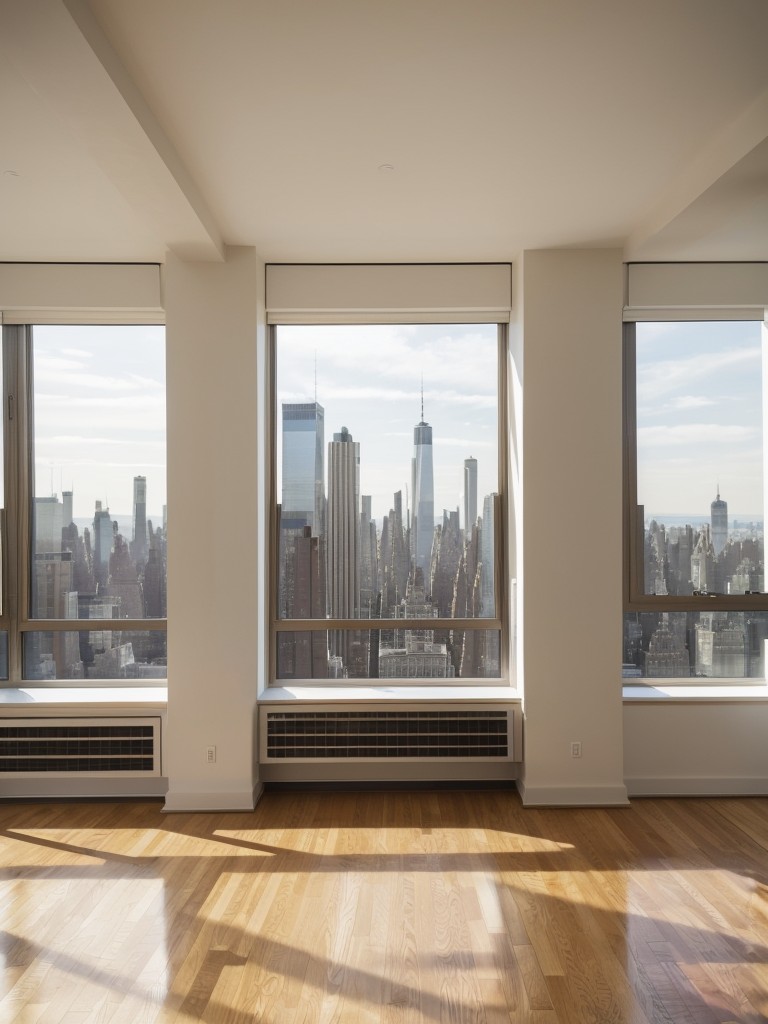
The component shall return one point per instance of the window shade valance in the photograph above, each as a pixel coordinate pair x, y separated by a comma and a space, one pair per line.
42, 293
674, 291
355, 293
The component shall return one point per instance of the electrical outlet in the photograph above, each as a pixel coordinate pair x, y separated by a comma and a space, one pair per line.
576, 748
210, 755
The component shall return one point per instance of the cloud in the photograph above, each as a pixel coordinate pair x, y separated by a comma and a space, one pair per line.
695, 434
458, 358
463, 442
78, 353
690, 402
432, 397
74, 439
663, 376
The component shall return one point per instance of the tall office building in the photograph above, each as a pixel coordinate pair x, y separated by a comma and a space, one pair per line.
66, 500
103, 535
139, 545
47, 523
719, 514
343, 535
303, 497
369, 560
487, 557
470, 496
423, 489
304, 655
414, 653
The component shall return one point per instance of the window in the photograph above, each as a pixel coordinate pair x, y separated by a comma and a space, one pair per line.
695, 603
85, 517
387, 499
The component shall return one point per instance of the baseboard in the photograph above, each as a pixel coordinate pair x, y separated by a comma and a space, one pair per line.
219, 801
86, 788
572, 796
697, 786
389, 772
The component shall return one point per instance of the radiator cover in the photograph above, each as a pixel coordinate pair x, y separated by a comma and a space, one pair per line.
330, 733
34, 748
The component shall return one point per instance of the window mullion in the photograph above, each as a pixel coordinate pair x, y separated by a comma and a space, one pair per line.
16, 351
633, 519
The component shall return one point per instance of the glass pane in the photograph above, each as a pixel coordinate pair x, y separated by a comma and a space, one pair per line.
387, 471
99, 654
99, 498
389, 654
703, 645
700, 457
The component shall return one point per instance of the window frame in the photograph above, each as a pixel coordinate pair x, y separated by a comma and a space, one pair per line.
635, 600
499, 623
19, 475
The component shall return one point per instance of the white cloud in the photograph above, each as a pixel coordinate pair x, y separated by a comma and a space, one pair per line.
695, 434
690, 402
463, 442
663, 376
78, 353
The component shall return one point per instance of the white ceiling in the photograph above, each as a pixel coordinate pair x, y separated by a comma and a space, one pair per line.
382, 130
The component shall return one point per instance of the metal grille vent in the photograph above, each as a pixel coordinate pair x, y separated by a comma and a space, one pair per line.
35, 747
383, 735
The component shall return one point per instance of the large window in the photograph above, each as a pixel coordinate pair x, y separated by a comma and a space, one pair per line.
695, 575
85, 515
387, 502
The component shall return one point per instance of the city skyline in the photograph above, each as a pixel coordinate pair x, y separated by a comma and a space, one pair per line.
99, 415
379, 400
699, 418
336, 561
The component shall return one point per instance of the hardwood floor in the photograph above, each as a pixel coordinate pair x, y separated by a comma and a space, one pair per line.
385, 907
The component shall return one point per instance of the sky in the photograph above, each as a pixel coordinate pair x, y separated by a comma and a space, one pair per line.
369, 380
99, 415
100, 409
700, 418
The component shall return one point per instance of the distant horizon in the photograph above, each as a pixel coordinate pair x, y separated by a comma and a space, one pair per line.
705, 517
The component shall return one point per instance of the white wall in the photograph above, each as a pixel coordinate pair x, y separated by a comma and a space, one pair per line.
571, 601
565, 390
215, 322
696, 747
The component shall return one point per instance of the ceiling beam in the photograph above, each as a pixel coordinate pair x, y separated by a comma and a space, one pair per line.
62, 53
721, 152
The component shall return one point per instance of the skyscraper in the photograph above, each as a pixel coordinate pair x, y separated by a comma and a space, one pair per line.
103, 542
719, 513
303, 497
422, 482
470, 496
139, 519
47, 524
487, 557
304, 655
66, 500
343, 538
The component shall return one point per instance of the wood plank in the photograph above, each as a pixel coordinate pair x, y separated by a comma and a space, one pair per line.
393, 907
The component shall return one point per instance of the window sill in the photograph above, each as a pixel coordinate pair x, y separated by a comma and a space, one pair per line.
82, 697
354, 694
661, 693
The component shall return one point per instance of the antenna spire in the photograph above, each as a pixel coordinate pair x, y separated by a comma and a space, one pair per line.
315, 376
422, 398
